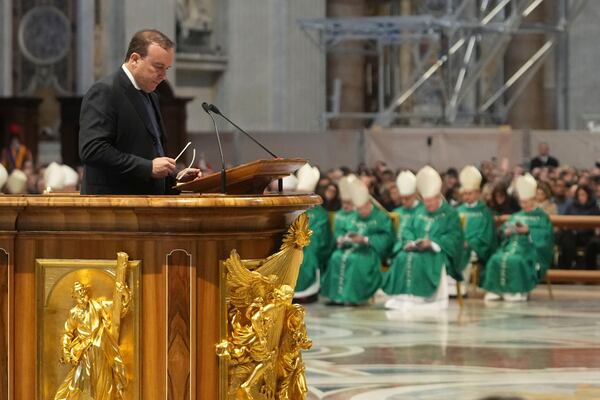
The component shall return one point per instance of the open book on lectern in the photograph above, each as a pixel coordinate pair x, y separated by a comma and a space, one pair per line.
250, 178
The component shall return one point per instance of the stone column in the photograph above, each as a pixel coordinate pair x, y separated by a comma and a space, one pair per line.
347, 66
85, 46
529, 111
114, 40
5, 47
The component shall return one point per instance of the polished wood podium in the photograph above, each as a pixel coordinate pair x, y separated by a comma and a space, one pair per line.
177, 244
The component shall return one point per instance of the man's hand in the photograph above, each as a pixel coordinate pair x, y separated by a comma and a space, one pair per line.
424, 244
522, 229
358, 239
162, 167
188, 174
410, 246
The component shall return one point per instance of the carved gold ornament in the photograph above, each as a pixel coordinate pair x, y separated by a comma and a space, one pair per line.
90, 342
265, 332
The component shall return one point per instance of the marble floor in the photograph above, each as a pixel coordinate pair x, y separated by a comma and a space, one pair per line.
540, 350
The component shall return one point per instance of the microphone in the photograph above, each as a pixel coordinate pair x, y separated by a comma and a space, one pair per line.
215, 110
206, 107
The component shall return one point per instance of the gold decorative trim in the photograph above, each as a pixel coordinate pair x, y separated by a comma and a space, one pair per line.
264, 333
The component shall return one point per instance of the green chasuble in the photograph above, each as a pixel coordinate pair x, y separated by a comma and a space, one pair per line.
317, 252
479, 232
339, 221
353, 272
419, 273
406, 215
521, 260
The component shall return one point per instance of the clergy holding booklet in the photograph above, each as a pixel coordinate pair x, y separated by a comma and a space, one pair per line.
429, 250
526, 251
122, 137
479, 228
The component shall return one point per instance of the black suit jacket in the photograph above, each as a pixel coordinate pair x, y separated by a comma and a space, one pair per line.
116, 141
537, 162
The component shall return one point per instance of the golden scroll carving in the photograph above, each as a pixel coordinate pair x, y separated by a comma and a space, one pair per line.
265, 332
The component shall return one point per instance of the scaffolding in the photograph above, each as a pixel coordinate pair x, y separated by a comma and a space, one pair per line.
456, 56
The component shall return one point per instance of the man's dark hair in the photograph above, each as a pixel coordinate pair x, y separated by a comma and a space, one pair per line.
142, 39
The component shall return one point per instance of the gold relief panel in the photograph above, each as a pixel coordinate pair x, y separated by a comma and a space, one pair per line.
88, 319
263, 334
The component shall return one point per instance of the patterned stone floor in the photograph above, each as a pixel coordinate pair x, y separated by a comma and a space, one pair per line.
541, 350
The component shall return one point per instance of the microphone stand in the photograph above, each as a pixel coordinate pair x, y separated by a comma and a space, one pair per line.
215, 110
223, 172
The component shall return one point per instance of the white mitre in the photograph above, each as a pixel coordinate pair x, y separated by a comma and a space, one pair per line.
345, 185
54, 176
290, 182
308, 178
17, 182
70, 176
406, 183
3, 175
526, 186
470, 178
360, 193
429, 182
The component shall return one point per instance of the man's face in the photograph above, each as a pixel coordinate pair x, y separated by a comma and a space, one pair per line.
543, 149
347, 205
80, 293
409, 200
470, 196
151, 70
432, 203
560, 188
527, 205
365, 210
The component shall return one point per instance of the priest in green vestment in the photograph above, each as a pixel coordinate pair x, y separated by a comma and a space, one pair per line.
430, 249
479, 228
363, 241
407, 187
526, 251
317, 252
340, 217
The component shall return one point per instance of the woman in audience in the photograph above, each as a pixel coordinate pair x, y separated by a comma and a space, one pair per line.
543, 198
501, 202
329, 194
587, 239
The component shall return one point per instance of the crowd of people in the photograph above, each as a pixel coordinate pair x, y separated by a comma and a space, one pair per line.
20, 175
413, 236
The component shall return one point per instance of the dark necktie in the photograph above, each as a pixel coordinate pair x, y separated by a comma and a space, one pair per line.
154, 123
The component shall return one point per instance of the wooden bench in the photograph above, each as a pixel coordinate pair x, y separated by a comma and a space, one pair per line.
574, 276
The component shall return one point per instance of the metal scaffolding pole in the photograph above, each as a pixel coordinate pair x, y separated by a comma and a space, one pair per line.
457, 44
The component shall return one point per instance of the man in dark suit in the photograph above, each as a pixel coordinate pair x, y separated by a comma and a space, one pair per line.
544, 159
122, 137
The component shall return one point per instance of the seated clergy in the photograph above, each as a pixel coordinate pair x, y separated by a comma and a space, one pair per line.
317, 252
479, 229
525, 252
347, 209
431, 247
407, 187
363, 241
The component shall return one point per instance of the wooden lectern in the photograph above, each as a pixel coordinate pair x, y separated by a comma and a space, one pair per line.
251, 178
175, 244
